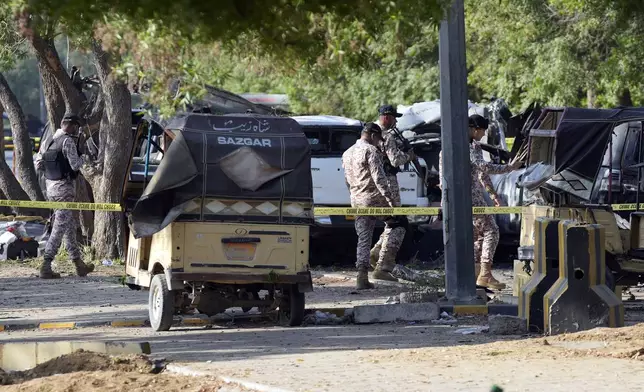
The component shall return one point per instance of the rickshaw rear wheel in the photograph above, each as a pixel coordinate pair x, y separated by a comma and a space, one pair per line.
291, 309
160, 304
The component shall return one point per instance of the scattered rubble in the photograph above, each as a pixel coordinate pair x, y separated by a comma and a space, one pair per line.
19, 239
507, 325
445, 319
425, 278
472, 330
325, 318
367, 314
418, 296
393, 300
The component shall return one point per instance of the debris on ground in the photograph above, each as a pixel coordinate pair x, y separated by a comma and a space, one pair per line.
16, 242
445, 318
472, 330
507, 325
425, 278
84, 371
393, 300
4, 378
419, 296
324, 318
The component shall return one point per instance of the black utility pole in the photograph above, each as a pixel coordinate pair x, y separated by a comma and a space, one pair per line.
457, 198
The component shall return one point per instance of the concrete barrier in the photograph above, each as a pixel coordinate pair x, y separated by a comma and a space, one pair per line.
580, 300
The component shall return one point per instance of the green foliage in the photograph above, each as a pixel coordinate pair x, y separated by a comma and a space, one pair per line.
554, 52
11, 47
367, 71
159, 41
346, 58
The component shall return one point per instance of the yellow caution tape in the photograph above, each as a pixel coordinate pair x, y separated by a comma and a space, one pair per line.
329, 211
626, 207
55, 205
319, 211
337, 211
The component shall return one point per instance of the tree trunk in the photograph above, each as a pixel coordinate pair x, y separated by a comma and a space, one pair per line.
10, 188
53, 99
49, 63
84, 194
591, 98
625, 98
60, 96
13, 191
115, 145
23, 155
3, 210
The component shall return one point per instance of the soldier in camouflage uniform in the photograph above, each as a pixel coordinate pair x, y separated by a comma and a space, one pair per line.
61, 163
394, 157
368, 186
485, 229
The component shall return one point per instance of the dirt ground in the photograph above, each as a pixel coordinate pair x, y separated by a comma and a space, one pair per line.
85, 371
459, 356
391, 357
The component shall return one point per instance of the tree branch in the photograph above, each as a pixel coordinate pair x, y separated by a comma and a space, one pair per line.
49, 61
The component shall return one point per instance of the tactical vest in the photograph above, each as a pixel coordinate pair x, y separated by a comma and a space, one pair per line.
57, 167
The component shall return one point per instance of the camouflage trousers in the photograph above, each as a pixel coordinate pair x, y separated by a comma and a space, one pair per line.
486, 238
65, 226
394, 188
387, 246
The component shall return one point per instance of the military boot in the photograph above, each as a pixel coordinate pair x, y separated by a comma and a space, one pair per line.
363, 279
477, 270
83, 269
374, 255
486, 279
383, 268
46, 272
384, 275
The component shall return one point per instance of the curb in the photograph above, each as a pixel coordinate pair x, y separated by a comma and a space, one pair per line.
462, 310
139, 323
133, 323
185, 371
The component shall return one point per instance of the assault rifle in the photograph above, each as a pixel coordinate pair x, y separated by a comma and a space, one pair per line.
408, 147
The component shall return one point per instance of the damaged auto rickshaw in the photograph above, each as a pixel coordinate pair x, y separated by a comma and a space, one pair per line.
224, 220
586, 165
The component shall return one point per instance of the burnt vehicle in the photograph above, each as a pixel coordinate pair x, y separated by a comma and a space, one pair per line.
585, 165
420, 125
224, 221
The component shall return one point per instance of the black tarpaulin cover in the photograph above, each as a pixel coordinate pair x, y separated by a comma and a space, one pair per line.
583, 134
233, 157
